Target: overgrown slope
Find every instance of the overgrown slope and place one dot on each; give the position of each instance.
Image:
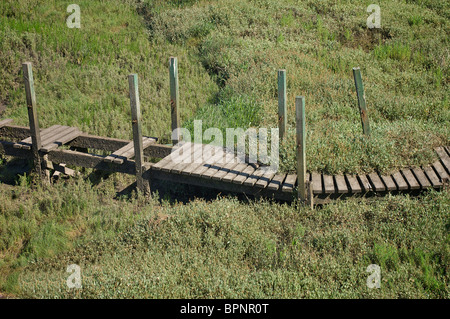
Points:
(229, 52)
(242, 44)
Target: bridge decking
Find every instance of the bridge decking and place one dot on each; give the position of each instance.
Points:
(233, 173)
(215, 167)
(199, 164)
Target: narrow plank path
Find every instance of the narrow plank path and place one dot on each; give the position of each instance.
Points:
(216, 167)
(228, 170)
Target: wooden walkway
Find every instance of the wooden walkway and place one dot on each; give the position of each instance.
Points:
(59, 146)
(212, 166)
(215, 167)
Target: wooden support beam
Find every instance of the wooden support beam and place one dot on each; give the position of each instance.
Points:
(282, 102)
(32, 117)
(89, 161)
(5, 122)
(361, 101)
(85, 141)
(14, 132)
(8, 149)
(137, 132)
(221, 186)
(301, 149)
(310, 194)
(174, 99)
(61, 168)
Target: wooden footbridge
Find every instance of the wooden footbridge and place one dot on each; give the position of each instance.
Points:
(58, 147)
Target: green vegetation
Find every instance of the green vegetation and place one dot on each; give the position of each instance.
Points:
(81, 74)
(229, 53)
(221, 249)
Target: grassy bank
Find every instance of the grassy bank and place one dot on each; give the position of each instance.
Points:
(229, 53)
(224, 248)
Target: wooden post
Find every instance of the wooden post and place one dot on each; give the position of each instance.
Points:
(309, 194)
(174, 99)
(32, 117)
(137, 132)
(301, 139)
(361, 101)
(282, 98)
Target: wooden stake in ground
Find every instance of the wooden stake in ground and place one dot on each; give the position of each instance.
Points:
(282, 98)
(32, 117)
(137, 132)
(301, 141)
(361, 101)
(174, 99)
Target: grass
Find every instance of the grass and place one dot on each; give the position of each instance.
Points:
(226, 248)
(401, 66)
(229, 53)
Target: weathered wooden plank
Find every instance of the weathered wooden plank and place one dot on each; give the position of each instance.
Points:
(400, 181)
(7, 148)
(420, 176)
(22, 145)
(389, 182)
(214, 168)
(447, 148)
(276, 182)
(88, 141)
(234, 172)
(48, 132)
(119, 152)
(180, 159)
(176, 151)
(225, 169)
(61, 140)
(221, 186)
(243, 175)
(199, 159)
(378, 185)
(58, 132)
(328, 184)
(354, 184)
(316, 179)
(289, 183)
(217, 156)
(432, 177)
(340, 184)
(5, 122)
(410, 179)
(365, 183)
(196, 149)
(445, 159)
(253, 178)
(264, 180)
(440, 170)
(90, 161)
(44, 133)
(146, 142)
(61, 168)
